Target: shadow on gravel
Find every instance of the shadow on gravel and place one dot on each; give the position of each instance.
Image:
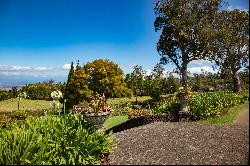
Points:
(143, 120)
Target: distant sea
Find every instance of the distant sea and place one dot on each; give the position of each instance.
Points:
(9, 81)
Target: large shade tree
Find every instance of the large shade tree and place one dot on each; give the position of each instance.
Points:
(231, 38)
(183, 24)
(106, 77)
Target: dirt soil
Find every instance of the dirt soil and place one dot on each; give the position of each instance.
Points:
(168, 143)
(243, 117)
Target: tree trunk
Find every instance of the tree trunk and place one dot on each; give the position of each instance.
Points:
(136, 97)
(136, 93)
(236, 79)
(184, 75)
(183, 101)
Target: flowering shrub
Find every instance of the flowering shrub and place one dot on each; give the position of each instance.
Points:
(56, 95)
(97, 106)
(22, 95)
(184, 92)
(138, 113)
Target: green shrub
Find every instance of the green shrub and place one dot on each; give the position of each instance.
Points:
(244, 98)
(155, 93)
(18, 115)
(121, 111)
(172, 105)
(136, 107)
(212, 104)
(138, 113)
(66, 139)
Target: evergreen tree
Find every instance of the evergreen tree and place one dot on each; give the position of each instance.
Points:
(71, 72)
(66, 91)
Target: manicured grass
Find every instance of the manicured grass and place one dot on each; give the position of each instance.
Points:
(115, 120)
(229, 117)
(119, 101)
(25, 104)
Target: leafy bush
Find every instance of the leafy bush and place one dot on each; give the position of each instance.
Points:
(18, 115)
(138, 113)
(171, 105)
(4, 94)
(136, 106)
(244, 98)
(8, 118)
(66, 139)
(212, 104)
(121, 109)
(42, 90)
(155, 92)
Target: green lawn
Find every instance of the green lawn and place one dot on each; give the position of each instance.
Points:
(119, 101)
(229, 117)
(25, 104)
(115, 120)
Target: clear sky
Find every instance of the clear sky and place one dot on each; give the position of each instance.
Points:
(40, 37)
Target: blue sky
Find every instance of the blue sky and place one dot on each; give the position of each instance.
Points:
(40, 37)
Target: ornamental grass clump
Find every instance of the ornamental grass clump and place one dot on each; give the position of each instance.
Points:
(66, 139)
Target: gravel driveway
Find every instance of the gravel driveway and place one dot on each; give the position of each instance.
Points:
(167, 143)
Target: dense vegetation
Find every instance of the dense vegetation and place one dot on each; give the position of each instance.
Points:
(66, 139)
(35, 91)
(190, 30)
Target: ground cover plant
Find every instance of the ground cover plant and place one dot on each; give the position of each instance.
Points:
(65, 139)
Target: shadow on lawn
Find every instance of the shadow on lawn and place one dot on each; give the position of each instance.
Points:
(143, 120)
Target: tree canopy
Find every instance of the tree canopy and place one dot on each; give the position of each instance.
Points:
(231, 38)
(183, 24)
(106, 77)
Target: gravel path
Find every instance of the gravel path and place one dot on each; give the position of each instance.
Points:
(243, 118)
(167, 143)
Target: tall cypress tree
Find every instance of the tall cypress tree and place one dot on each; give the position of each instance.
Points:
(78, 65)
(66, 92)
(71, 71)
